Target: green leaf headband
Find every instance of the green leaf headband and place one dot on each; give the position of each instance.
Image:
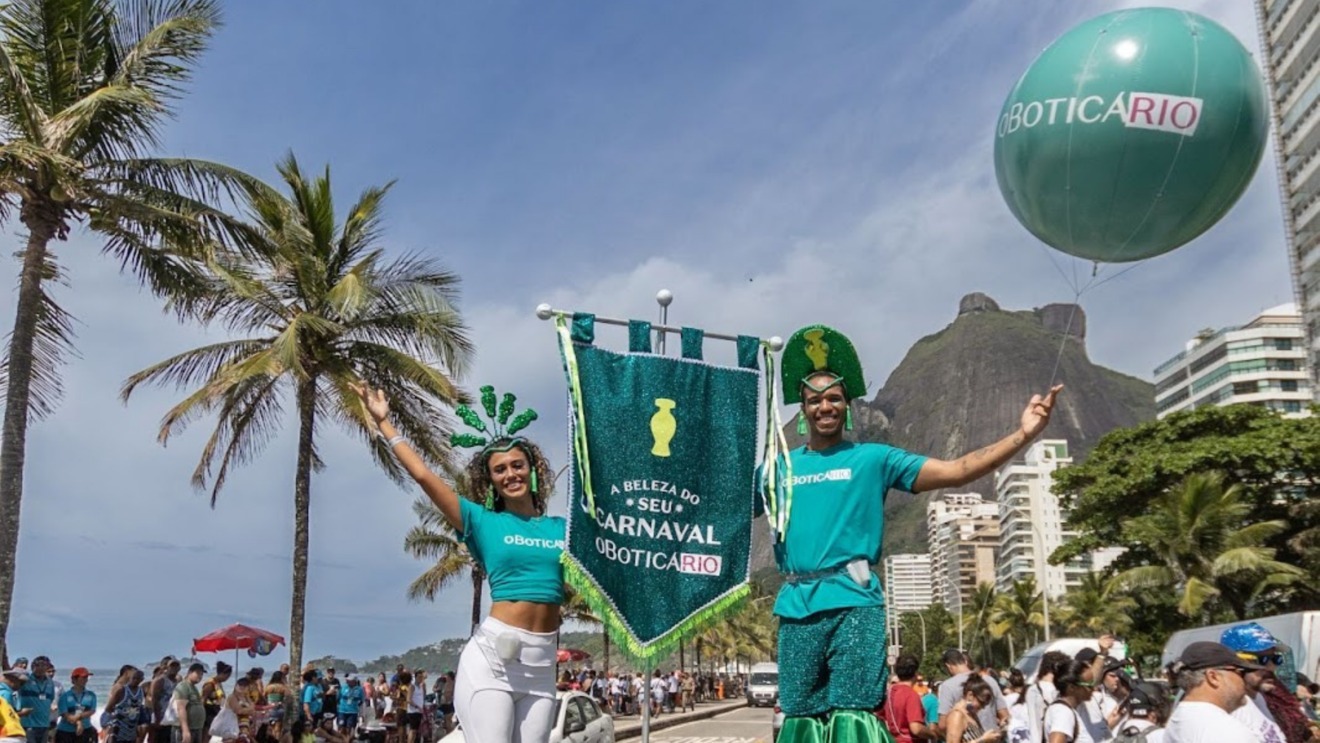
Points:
(498, 418)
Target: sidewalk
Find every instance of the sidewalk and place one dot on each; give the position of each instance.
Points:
(631, 727)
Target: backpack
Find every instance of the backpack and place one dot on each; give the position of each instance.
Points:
(1131, 734)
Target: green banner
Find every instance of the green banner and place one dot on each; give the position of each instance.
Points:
(663, 465)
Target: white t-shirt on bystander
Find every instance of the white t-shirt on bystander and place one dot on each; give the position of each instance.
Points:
(1202, 722)
(1256, 716)
(1060, 718)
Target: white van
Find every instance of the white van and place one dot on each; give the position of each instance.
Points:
(763, 685)
(1029, 663)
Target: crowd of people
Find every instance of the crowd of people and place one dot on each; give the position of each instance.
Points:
(1238, 690)
(192, 704)
(622, 694)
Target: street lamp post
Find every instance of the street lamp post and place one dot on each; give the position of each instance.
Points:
(664, 298)
(1042, 571)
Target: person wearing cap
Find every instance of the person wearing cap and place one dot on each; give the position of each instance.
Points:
(1214, 685)
(187, 701)
(11, 725)
(76, 707)
(350, 704)
(36, 698)
(13, 680)
(825, 507)
(1147, 709)
(1255, 644)
(1114, 687)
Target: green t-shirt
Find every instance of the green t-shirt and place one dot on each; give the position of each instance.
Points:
(837, 516)
(520, 554)
(188, 691)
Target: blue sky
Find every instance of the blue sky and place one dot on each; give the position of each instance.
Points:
(773, 164)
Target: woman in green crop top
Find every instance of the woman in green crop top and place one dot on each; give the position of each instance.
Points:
(504, 688)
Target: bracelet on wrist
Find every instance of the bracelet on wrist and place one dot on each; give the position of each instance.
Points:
(392, 441)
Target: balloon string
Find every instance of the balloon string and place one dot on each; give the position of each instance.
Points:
(1095, 283)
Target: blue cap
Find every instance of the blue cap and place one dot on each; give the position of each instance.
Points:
(1248, 638)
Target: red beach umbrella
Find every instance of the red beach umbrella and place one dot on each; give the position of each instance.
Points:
(238, 637)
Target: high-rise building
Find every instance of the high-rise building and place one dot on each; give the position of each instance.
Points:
(1290, 40)
(1031, 522)
(1261, 363)
(963, 532)
(907, 583)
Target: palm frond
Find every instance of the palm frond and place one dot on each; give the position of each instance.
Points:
(159, 41)
(197, 366)
(249, 420)
(1194, 595)
(1252, 535)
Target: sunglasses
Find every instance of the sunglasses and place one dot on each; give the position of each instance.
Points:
(1239, 671)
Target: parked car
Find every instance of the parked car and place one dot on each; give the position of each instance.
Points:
(578, 719)
(763, 685)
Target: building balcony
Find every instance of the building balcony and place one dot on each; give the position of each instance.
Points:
(1292, 19)
(1301, 53)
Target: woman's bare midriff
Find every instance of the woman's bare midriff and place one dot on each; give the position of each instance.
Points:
(527, 615)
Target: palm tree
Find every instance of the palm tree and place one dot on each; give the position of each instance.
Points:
(1203, 549)
(326, 310)
(977, 617)
(434, 539)
(1017, 612)
(1096, 605)
(85, 87)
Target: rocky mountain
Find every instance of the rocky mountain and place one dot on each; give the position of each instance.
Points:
(966, 386)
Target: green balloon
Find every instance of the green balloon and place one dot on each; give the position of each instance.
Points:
(1131, 134)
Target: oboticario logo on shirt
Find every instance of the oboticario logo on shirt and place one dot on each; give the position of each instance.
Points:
(832, 475)
(519, 540)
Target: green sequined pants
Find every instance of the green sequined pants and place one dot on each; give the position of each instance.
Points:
(833, 660)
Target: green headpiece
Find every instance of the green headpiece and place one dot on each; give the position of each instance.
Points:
(815, 349)
(498, 419)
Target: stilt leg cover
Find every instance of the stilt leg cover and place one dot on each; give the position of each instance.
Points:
(856, 726)
(802, 730)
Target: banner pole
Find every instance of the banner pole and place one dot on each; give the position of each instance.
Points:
(546, 312)
(646, 708)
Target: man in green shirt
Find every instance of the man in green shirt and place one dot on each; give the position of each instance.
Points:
(187, 701)
(825, 503)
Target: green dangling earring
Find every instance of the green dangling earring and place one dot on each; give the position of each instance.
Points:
(847, 420)
(802, 424)
(535, 489)
(490, 498)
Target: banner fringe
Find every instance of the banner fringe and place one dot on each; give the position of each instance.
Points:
(662, 646)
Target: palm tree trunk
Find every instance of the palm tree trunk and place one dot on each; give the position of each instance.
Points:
(18, 395)
(606, 632)
(302, 499)
(478, 577)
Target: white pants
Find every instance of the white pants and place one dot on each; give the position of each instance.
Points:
(504, 691)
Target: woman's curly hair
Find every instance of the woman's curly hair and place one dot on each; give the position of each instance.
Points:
(478, 473)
